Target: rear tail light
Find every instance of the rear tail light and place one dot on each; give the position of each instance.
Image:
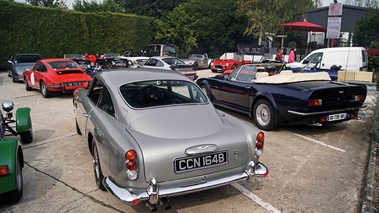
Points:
(4, 170)
(351, 115)
(314, 102)
(360, 98)
(259, 144)
(131, 165)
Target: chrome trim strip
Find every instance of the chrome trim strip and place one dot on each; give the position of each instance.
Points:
(324, 112)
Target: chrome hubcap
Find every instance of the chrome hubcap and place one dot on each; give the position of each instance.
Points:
(263, 115)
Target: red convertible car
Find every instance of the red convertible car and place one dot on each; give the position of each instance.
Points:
(56, 75)
(228, 63)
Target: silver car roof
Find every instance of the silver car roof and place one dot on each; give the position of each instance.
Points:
(117, 77)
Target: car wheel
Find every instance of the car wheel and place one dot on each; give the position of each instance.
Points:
(195, 66)
(77, 128)
(46, 93)
(205, 90)
(15, 195)
(27, 87)
(13, 79)
(96, 167)
(263, 115)
(9, 74)
(214, 70)
(27, 137)
(234, 67)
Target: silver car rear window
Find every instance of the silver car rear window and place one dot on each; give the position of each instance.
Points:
(161, 93)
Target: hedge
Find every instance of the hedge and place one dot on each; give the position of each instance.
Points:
(55, 32)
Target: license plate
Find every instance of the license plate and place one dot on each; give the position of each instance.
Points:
(200, 161)
(337, 117)
(74, 84)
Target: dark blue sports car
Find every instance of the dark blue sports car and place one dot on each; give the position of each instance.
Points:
(284, 98)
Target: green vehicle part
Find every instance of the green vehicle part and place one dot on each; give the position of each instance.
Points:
(10, 153)
(23, 121)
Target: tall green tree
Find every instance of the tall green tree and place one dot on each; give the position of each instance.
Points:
(48, 3)
(265, 16)
(367, 29)
(364, 3)
(199, 25)
(93, 6)
(153, 8)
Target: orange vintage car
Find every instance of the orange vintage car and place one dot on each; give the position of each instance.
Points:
(56, 75)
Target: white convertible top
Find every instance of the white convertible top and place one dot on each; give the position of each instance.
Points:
(286, 76)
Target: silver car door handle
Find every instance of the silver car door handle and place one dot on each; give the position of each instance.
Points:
(86, 115)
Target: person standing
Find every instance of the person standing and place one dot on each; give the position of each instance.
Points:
(279, 55)
(292, 55)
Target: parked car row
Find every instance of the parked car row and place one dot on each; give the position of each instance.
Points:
(156, 104)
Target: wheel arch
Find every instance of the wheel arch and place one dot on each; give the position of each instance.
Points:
(205, 83)
(23, 119)
(268, 97)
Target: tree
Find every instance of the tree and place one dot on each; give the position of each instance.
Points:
(199, 25)
(367, 29)
(364, 3)
(153, 8)
(48, 3)
(93, 6)
(265, 16)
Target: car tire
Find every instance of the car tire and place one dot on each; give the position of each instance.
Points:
(46, 93)
(27, 87)
(195, 66)
(77, 128)
(9, 75)
(13, 79)
(263, 115)
(213, 70)
(97, 167)
(234, 67)
(206, 91)
(27, 137)
(15, 195)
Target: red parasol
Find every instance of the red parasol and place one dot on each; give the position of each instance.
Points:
(303, 26)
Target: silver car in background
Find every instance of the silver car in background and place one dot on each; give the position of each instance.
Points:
(171, 63)
(18, 63)
(198, 61)
(154, 134)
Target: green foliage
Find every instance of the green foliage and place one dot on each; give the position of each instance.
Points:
(199, 26)
(152, 8)
(265, 16)
(93, 6)
(367, 29)
(48, 3)
(292, 44)
(54, 32)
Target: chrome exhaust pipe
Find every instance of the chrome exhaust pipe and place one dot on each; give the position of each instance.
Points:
(165, 203)
(152, 207)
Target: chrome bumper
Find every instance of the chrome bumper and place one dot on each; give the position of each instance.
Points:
(153, 192)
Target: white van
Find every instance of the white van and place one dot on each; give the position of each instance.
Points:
(349, 58)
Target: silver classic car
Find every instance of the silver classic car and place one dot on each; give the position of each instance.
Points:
(154, 134)
(198, 61)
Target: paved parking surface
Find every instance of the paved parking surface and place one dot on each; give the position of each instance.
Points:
(312, 168)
